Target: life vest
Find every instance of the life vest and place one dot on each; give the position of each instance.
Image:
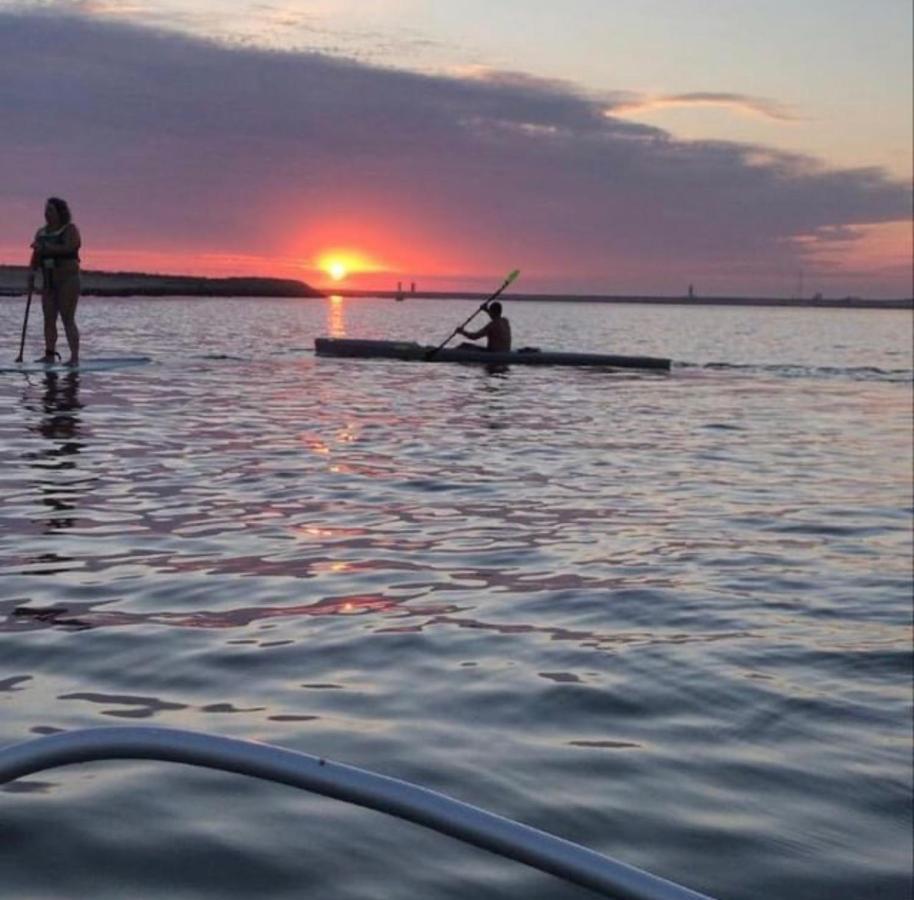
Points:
(48, 238)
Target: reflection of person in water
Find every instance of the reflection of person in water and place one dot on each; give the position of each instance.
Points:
(61, 406)
(60, 424)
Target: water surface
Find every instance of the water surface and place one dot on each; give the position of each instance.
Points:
(666, 616)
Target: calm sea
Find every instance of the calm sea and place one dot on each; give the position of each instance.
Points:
(666, 616)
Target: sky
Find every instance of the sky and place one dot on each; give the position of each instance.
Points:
(601, 146)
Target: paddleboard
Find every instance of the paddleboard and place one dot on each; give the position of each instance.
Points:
(92, 364)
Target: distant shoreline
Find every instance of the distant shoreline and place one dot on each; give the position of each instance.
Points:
(137, 284)
(811, 302)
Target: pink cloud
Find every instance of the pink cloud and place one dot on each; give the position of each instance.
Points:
(740, 103)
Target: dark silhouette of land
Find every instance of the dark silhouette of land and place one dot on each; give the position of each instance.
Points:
(138, 284)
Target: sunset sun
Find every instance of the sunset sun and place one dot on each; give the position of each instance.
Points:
(337, 269)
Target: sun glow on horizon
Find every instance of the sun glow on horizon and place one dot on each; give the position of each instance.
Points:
(339, 264)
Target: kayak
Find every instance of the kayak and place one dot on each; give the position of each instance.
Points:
(410, 350)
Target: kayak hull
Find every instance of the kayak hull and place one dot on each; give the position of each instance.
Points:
(409, 350)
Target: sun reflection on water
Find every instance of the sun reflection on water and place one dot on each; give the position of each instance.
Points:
(336, 316)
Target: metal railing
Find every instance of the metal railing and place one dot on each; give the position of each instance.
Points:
(467, 823)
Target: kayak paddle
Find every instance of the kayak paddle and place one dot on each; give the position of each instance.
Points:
(485, 303)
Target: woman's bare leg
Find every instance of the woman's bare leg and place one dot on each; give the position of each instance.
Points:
(67, 298)
(49, 309)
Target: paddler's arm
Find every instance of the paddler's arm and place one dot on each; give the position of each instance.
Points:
(475, 335)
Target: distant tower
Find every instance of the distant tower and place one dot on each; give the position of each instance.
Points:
(412, 287)
(691, 292)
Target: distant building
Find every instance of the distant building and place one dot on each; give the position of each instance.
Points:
(691, 292)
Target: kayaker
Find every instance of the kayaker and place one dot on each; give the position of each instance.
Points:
(497, 332)
(55, 251)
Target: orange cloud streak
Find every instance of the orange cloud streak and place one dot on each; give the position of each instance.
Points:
(864, 248)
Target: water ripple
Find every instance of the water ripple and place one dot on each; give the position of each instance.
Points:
(667, 617)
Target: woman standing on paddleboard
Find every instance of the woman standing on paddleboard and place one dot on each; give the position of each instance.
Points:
(55, 251)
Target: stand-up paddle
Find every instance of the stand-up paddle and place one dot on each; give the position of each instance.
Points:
(484, 304)
(25, 321)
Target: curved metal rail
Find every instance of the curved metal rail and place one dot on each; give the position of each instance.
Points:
(388, 795)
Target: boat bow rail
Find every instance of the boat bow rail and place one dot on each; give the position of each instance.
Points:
(407, 801)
